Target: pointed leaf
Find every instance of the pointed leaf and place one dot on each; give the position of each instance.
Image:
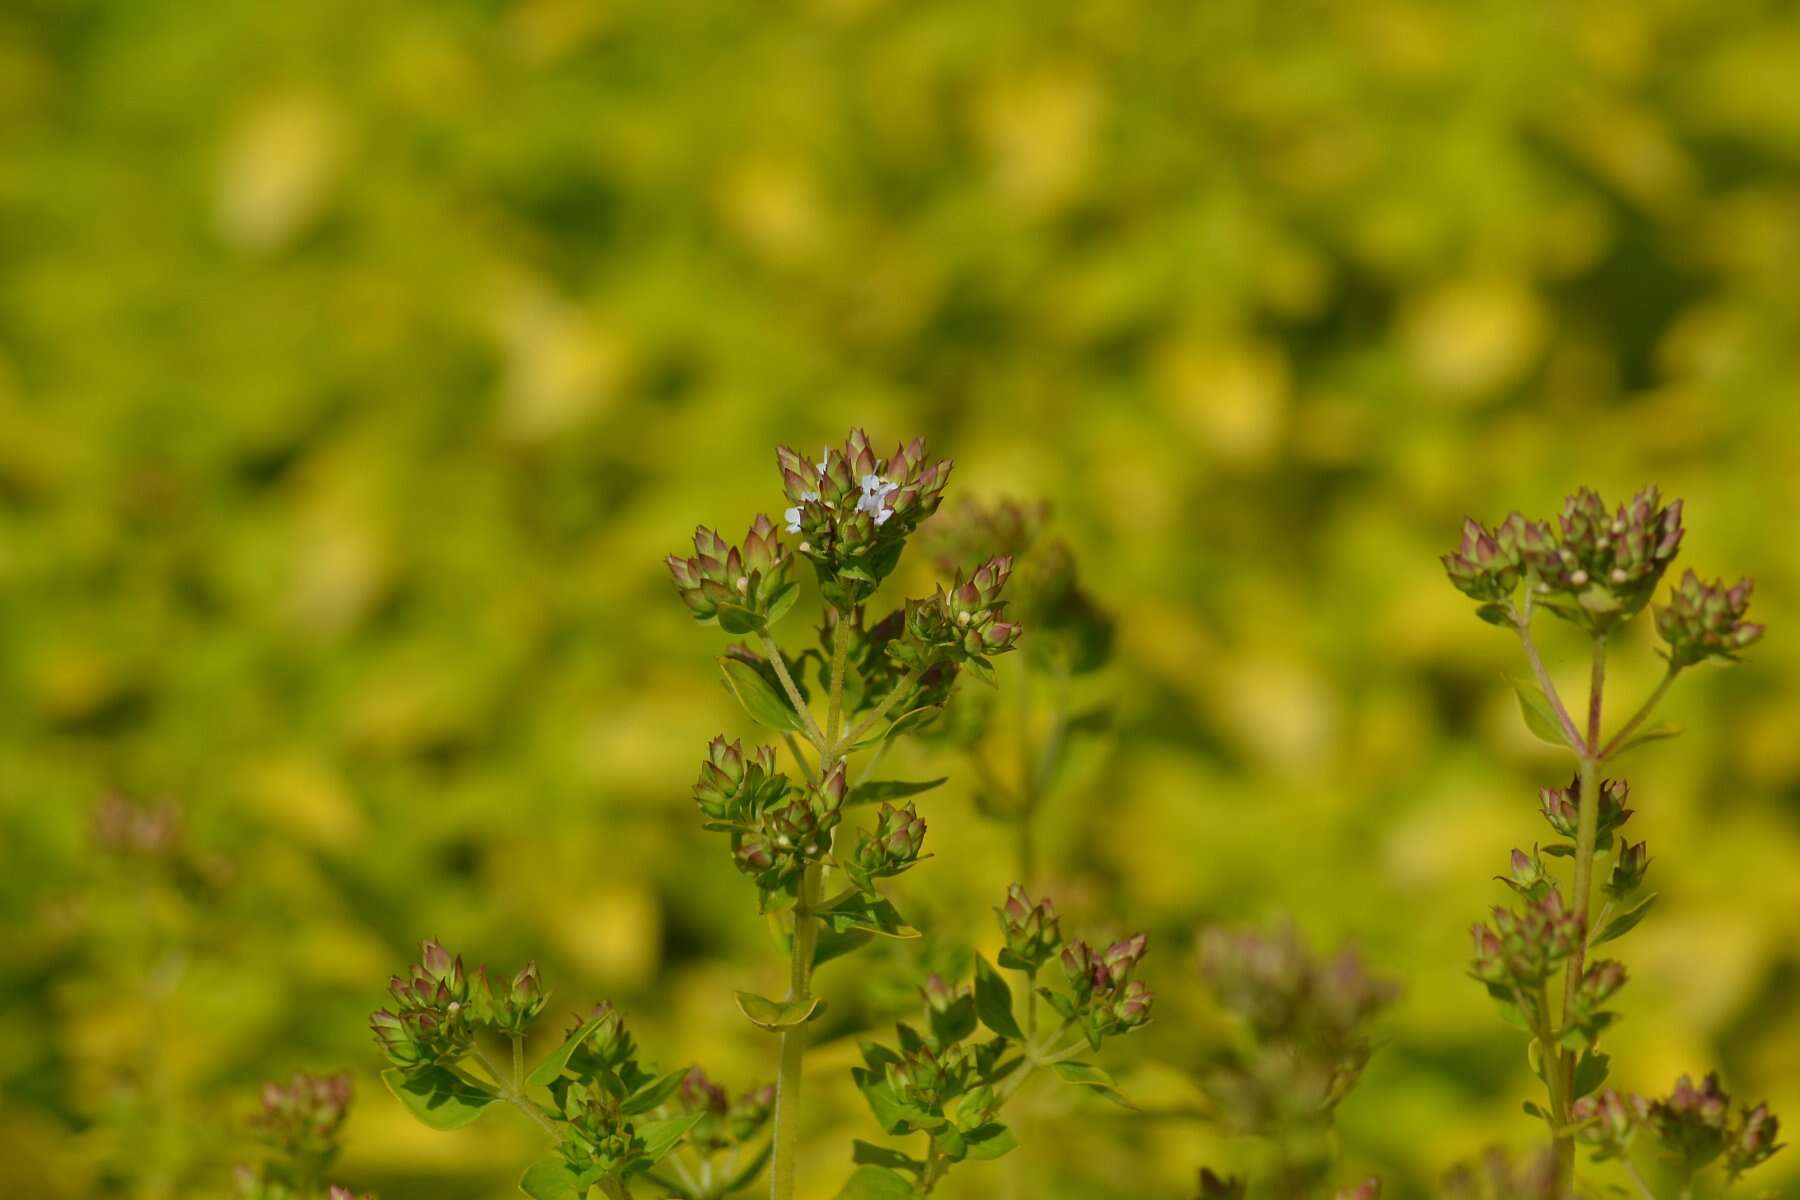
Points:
(862, 1152)
(1089, 1076)
(553, 1179)
(546, 1072)
(833, 944)
(989, 1141)
(890, 789)
(761, 699)
(1625, 922)
(870, 1182)
(782, 600)
(662, 1136)
(776, 1015)
(1540, 718)
(994, 1002)
(437, 1097)
(654, 1093)
(734, 618)
(1590, 1072)
(869, 913)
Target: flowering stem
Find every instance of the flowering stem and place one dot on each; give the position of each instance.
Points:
(1643, 713)
(840, 648)
(1554, 1076)
(518, 1045)
(793, 746)
(881, 710)
(793, 693)
(793, 1040)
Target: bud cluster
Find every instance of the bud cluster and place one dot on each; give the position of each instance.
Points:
(740, 588)
(735, 788)
(1032, 932)
(1693, 1125)
(1519, 950)
(1706, 620)
(853, 511)
(1598, 568)
(1103, 998)
(725, 1124)
(961, 624)
(1562, 809)
(774, 844)
(891, 848)
(299, 1122)
(439, 1007)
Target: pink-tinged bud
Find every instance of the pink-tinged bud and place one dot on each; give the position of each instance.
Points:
(1133, 1008)
(435, 959)
(527, 988)
(1122, 957)
(939, 995)
(835, 785)
(700, 1094)
(1368, 1189)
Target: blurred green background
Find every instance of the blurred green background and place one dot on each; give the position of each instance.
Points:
(359, 362)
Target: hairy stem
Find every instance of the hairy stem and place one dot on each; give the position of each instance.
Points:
(799, 757)
(793, 693)
(793, 1041)
(840, 649)
(1643, 713)
(515, 1096)
(1555, 1085)
(881, 710)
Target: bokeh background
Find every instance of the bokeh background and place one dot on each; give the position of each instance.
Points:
(359, 362)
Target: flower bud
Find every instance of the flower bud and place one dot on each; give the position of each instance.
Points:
(1628, 870)
(1368, 1189)
(1605, 565)
(1705, 620)
(1753, 1141)
(1032, 931)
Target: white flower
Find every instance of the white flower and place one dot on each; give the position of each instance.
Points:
(824, 459)
(792, 515)
(875, 491)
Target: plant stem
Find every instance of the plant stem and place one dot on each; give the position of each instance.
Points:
(793, 1041)
(793, 693)
(840, 649)
(805, 767)
(1638, 1180)
(869, 722)
(1554, 1084)
(1596, 688)
(515, 1096)
(1522, 623)
(616, 1188)
(518, 1045)
(1643, 713)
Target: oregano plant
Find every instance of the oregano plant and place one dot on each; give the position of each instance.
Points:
(835, 700)
(1597, 569)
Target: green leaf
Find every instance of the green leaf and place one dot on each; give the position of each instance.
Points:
(981, 669)
(1089, 1076)
(867, 1153)
(1625, 922)
(989, 1141)
(662, 1136)
(890, 789)
(656, 1092)
(776, 1015)
(870, 1182)
(736, 619)
(761, 699)
(546, 1072)
(1660, 731)
(871, 914)
(1590, 1072)
(835, 944)
(1532, 1110)
(1558, 850)
(782, 600)
(994, 1002)
(553, 1179)
(438, 1097)
(1495, 614)
(1540, 718)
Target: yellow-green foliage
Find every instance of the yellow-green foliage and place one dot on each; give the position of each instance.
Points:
(359, 362)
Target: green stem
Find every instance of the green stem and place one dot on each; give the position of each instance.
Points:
(515, 1096)
(793, 1041)
(1555, 1086)
(793, 693)
(1637, 1180)
(840, 649)
(518, 1045)
(799, 757)
(616, 1188)
(1643, 713)
(869, 722)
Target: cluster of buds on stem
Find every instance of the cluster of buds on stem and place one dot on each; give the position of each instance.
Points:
(742, 589)
(1033, 934)
(735, 788)
(725, 1124)
(1562, 809)
(892, 847)
(1308, 1021)
(299, 1123)
(962, 624)
(1519, 950)
(853, 511)
(1706, 620)
(1103, 997)
(1694, 1127)
(439, 1007)
(778, 841)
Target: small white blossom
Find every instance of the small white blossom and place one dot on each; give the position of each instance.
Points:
(824, 459)
(792, 515)
(875, 491)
